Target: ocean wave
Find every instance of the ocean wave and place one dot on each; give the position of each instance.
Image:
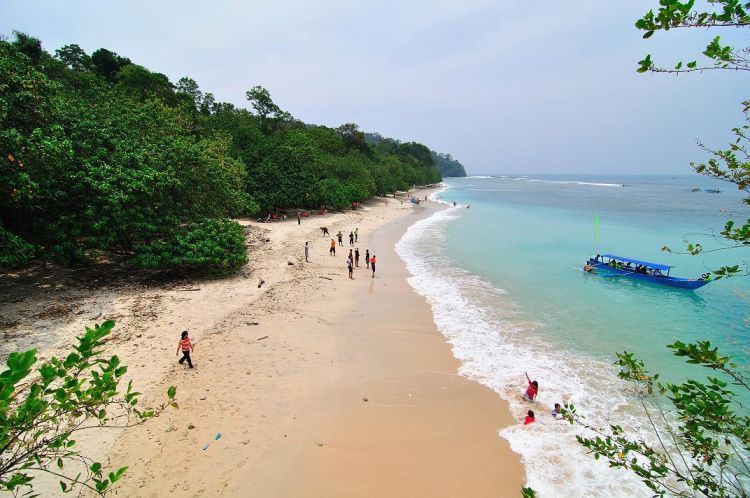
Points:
(495, 347)
(480, 176)
(574, 182)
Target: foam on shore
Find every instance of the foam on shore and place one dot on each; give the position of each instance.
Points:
(496, 347)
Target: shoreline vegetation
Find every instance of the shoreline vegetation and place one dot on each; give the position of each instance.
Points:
(105, 159)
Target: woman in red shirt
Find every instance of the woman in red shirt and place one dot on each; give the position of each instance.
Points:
(529, 418)
(532, 390)
(186, 346)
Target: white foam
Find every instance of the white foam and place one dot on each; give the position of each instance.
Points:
(495, 348)
(480, 176)
(572, 182)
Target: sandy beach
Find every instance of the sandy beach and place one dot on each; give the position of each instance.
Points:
(317, 384)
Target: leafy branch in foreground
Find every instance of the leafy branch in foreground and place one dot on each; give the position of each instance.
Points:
(730, 165)
(42, 412)
(699, 443)
(673, 14)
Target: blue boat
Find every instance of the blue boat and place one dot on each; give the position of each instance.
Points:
(610, 265)
(414, 200)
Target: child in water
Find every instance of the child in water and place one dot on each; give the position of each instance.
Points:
(529, 418)
(557, 412)
(532, 390)
(186, 347)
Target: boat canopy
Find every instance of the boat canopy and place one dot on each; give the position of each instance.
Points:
(655, 266)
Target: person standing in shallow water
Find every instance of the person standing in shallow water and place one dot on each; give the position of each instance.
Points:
(367, 258)
(356, 257)
(186, 346)
(532, 390)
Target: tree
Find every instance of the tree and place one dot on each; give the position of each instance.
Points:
(188, 86)
(74, 57)
(42, 413)
(731, 164)
(673, 14)
(353, 138)
(699, 442)
(267, 111)
(700, 430)
(29, 46)
(107, 63)
(141, 83)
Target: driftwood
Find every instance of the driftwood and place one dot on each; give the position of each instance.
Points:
(260, 284)
(261, 338)
(326, 278)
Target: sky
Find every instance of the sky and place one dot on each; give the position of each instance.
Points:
(504, 86)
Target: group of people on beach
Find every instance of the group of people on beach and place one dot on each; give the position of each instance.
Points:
(532, 390)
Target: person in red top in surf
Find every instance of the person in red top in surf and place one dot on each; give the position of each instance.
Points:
(529, 418)
(532, 390)
(186, 346)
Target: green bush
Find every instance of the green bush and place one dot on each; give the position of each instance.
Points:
(212, 245)
(14, 251)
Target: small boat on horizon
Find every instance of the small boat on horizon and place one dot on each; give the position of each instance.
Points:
(713, 190)
(611, 265)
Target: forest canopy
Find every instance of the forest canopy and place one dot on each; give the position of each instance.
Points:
(104, 156)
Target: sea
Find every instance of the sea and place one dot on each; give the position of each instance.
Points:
(502, 271)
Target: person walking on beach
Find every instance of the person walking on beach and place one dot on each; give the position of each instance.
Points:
(299, 220)
(341, 238)
(532, 390)
(367, 258)
(356, 234)
(356, 257)
(372, 265)
(186, 346)
(351, 256)
(332, 250)
(307, 251)
(351, 238)
(350, 265)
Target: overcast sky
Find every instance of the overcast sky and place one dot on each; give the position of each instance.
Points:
(504, 86)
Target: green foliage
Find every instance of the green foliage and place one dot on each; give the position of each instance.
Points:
(216, 246)
(673, 14)
(108, 64)
(699, 443)
(105, 156)
(42, 413)
(14, 251)
(447, 165)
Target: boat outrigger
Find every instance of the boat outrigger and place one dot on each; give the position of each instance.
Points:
(618, 266)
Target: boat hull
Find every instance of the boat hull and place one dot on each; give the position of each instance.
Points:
(680, 283)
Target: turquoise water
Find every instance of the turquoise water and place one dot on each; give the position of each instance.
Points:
(505, 285)
(531, 239)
